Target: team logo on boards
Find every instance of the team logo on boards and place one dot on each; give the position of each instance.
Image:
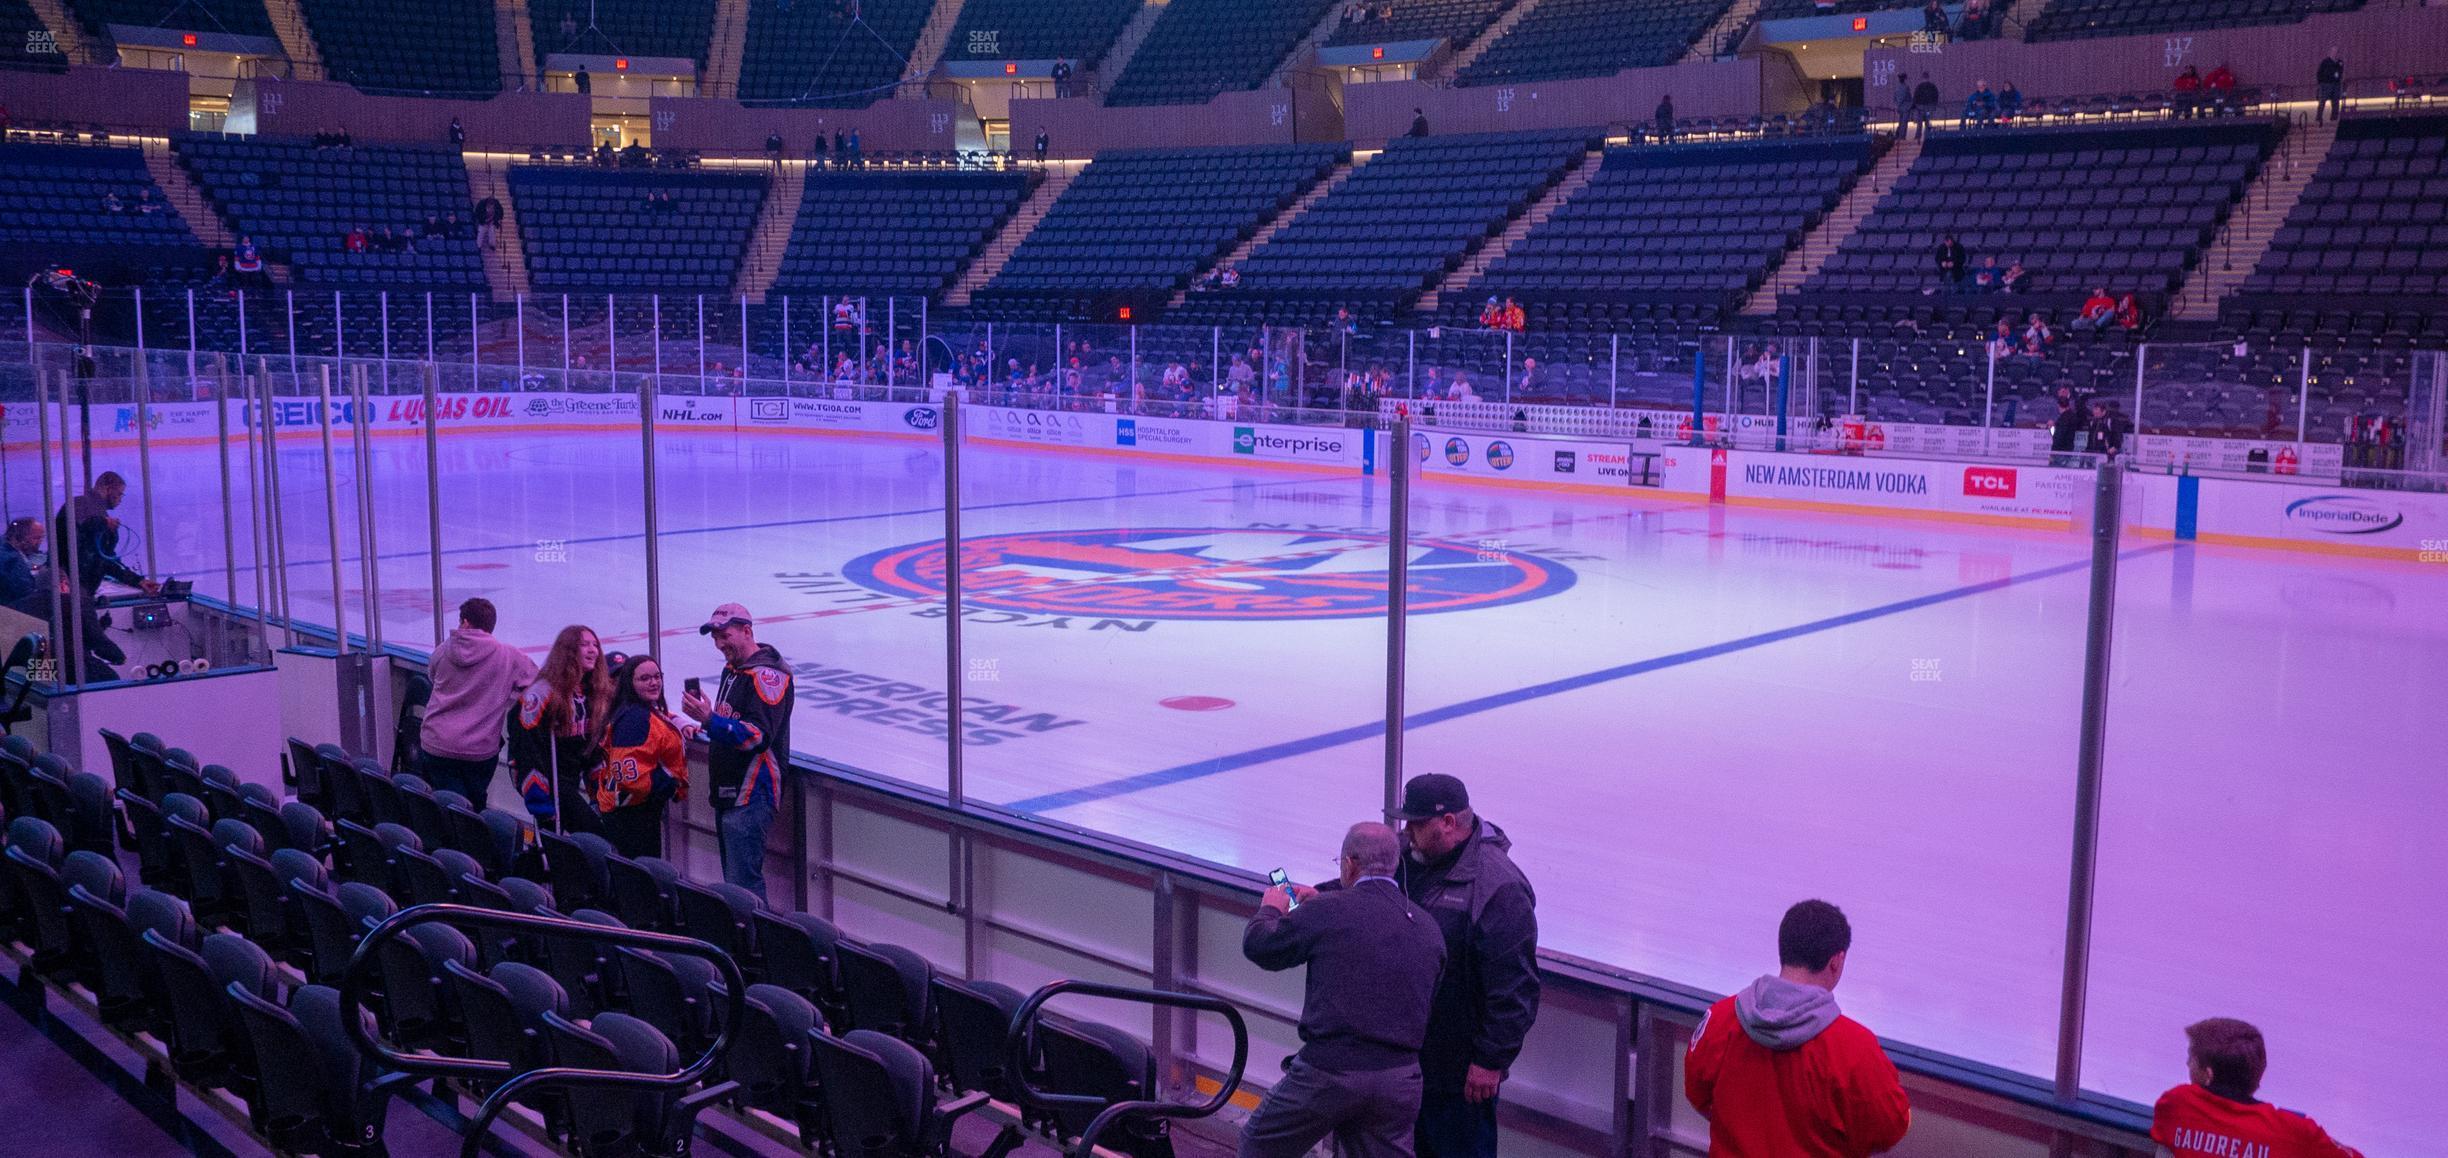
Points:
(1500, 455)
(1457, 452)
(2342, 515)
(1210, 573)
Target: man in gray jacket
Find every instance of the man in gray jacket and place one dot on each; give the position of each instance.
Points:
(475, 679)
(1373, 959)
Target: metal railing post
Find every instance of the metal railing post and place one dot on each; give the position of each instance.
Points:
(144, 434)
(433, 497)
(1398, 606)
(654, 545)
(368, 543)
(2107, 510)
(955, 666)
(331, 511)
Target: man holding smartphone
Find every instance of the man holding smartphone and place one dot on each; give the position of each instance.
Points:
(747, 731)
(1373, 961)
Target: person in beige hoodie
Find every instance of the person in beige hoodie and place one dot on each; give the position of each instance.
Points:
(475, 680)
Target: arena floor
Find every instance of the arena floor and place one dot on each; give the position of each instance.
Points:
(1686, 717)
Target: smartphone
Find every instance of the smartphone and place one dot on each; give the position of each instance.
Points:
(693, 686)
(1283, 880)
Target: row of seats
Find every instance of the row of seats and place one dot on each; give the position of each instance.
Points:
(55, 204)
(893, 234)
(669, 28)
(829, 53)
(228, 17)
(2078, 19)
(1456, 22)
(2372, 223)
(228, 941)
(593, 230)
(434, 47)
(1405, 219)
(1199, 48)
(1566, 38)
(298, 202)
(1708, 219)
(1143, 222)
(1080, 31)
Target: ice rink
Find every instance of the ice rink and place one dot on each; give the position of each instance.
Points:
(1686, 717)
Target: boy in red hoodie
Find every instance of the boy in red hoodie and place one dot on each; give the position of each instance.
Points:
(2215, 1114)
(1779, 1072)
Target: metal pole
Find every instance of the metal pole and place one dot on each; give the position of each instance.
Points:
(475, 346)
(1508, 382)
(744, 343)
(433, 497)
(1134, 368)
(924, 379)
(518, 310)
(144, 434)
(259, 396)
(1853, 382)
(1614, 367)
(612, 338)
(657, 305)
(1398, 605)
(1411, 363)
(429, 328)
(788, 358)
(191, 346)
(229, 530)
(1732, 373)
(824, 330)
(1784, 397)
(565, 342)
(367, 543)
(955, 666)
(386, 340)
(61, 632)
(1215, 356)
(2141, 359)
(2303, 401)
(701, 378)
(2107, 510)
(654, 546)
(892, 335)
(331, 512)
(242, 333)
(1989, 400)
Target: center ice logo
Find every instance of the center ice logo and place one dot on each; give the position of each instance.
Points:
(1195, 573)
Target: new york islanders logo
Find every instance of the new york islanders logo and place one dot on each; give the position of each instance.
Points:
(1210, 573)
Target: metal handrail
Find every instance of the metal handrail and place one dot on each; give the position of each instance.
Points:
(352, 989)
(1023, 1031)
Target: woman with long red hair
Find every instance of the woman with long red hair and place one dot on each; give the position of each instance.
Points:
(555, 749)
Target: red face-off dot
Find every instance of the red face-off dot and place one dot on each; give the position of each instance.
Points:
(1197, 703)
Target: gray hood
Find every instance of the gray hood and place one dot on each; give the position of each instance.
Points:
(1782, 1015)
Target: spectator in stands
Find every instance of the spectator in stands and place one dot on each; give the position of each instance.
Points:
(841, 149)
(2015, 280)
(1925, 102)
(455, 229)
(1460, 390)
(553, 754)
(476, 679)
(584, 81)
(747, 730)
(1985, 275)
(1974, 19)
(22, 568)
(2330, 78)
(2185, 92)
(1374, 959)
(354, 241)
(458, 135)
(433, 227)
(2037, 337)
(633, 156)
(2098, 311)
(1040, 146)
(7, 121)
(2066, 430)
(816, 152)
(2218, 89)
(645, 760)
(146, 203)
(488, 222)
(1419, 122)
(858, 155)
(773, 148)
(569, 28)
(1461, 871)
(1779, 1069)
(2001, 339)
(2215, 1113)
(1533, 380)
(2129, 312)
(1232, 277)
(2105, 434)
(1515, 319)
(2009, 103)
(111, 203)
(1903, 104)
(1665, 117)
(248, 263)
(1934, 19)
(1062, 79)
(1980, 108)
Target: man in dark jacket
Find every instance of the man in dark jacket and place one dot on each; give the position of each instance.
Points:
(2066, 430)
(747, 731)
(1373, 959)
(2330, 76)
(1458, 871)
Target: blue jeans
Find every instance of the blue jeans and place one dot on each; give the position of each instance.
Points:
(1452, 1128)
(741, 831)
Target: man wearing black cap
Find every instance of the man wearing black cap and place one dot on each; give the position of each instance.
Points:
(747, 731)
(1458, 870)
